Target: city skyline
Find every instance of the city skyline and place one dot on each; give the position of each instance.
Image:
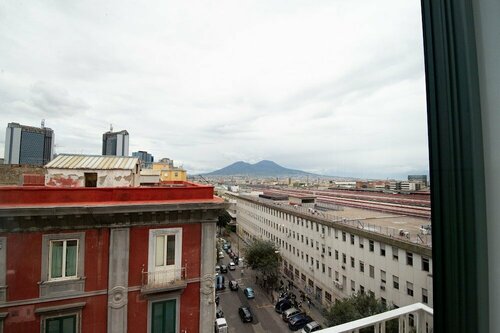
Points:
(305, 85)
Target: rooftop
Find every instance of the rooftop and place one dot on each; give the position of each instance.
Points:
(93, 162)
(169, 192)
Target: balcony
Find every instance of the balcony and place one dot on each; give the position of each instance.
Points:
(163, 281)
(416, 318)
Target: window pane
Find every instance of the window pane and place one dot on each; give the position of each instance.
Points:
(69, 325)
(171, 250)
(52, 326)
(160, 248)
(71, 257)
(157, 318)
(56, 259)
(170, 316)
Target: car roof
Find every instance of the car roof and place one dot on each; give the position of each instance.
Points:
(249, 289)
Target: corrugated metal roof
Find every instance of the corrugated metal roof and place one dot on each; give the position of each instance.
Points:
(94, 162)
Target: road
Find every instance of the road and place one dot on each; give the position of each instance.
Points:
(265, 319)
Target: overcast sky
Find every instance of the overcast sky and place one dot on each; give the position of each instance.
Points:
(331, 87)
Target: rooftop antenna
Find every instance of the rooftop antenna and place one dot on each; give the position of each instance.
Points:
(111, 127)
(43, 123)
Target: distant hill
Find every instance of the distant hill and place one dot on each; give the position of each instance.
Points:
(262, 168)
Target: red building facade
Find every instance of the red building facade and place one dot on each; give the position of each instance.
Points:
(107, 259)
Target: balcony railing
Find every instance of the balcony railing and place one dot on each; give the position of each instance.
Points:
(411, 318)
(158, 281)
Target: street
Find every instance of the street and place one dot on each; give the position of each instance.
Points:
(265, 319)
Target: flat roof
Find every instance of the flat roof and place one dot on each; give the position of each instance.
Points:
(41, 196)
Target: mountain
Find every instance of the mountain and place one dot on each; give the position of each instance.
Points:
(262, 168)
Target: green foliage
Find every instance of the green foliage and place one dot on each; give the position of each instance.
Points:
(264, 257)
(357, 306)
(224, 219)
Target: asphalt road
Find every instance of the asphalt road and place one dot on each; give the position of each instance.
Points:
(265, 319)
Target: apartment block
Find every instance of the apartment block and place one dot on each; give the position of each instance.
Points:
(108, 259)
(334, 259)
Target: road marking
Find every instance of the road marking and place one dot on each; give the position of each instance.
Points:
(269, 305)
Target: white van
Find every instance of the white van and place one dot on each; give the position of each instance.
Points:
(220, 325)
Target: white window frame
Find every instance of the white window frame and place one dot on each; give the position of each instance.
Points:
(153, 233)
(63, 268)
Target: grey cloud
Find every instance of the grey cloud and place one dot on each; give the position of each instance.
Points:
(55, 101)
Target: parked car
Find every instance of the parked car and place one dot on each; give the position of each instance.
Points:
(219, 282)
(223, 268)
(311, 327)
(232, 266)
(217, 269)
(298, 321)
(283, 305)
(286, 315)
(219, 313)
(245, 314)
(221, 255)
(249, 293)
(233, 285)
(217, 300)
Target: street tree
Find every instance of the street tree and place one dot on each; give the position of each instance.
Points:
(223, 220)
(357, 306)
(264, 256)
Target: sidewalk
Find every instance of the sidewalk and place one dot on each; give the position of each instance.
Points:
(249, 276)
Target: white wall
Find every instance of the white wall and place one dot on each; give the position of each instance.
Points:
(487, 20)
(76, 178)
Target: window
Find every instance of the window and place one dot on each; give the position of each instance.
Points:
(336, 276)
(382, 276)
(371, 245)
(425, 297)
(352, 262)
(361, 289)
(409, 258)
(372, 271)
(409, 288)
(62, 266)
(63, 259)
(164, 316)
(395, 282)
(425, 264)
(395, 255)
(343, 236)
(323, 267)
(352, 239)
(63, 324)
(317, 245)
(165, 249)
(328, 296)
(329, 272)
(382, 250)
(317, 264)
(329, 251)
(361, 266)
(90, 179)
(344, 258)
(361, 242)
(353, 286)
(336, 233)
(336, 255)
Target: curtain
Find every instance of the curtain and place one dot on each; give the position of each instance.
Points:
(56, 259)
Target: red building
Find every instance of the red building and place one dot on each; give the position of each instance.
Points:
(108, 259)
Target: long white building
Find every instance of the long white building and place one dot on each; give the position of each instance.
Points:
(333, 259)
